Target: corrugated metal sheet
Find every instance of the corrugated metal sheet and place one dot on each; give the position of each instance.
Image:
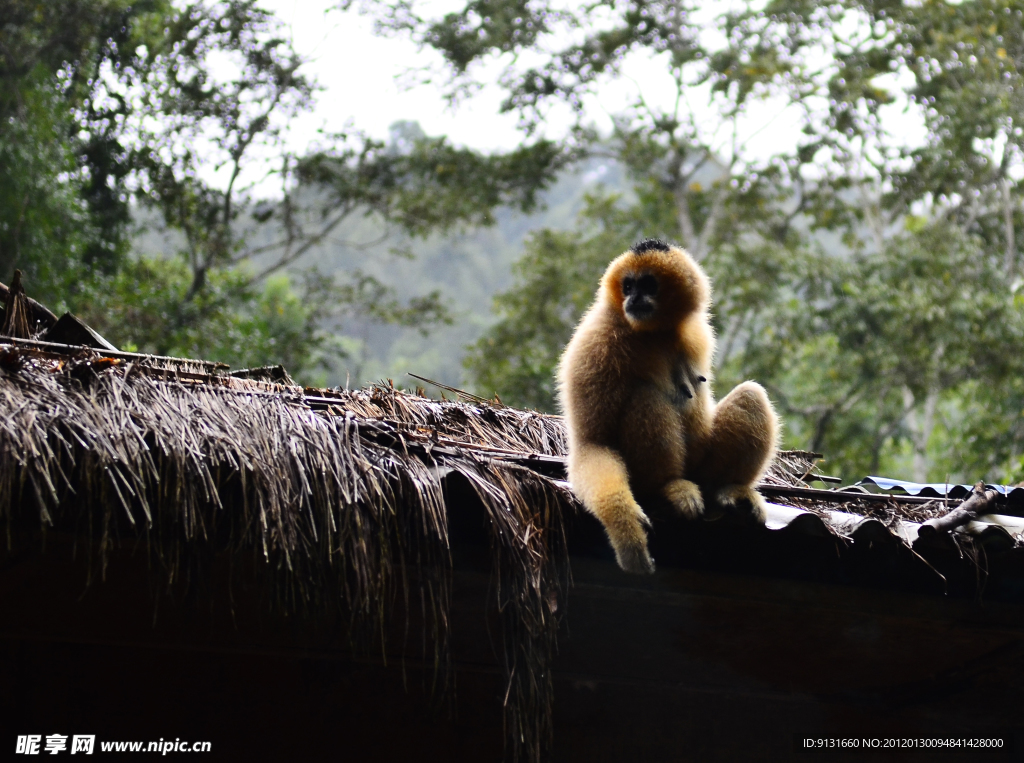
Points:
(938, 489)
(994, 531)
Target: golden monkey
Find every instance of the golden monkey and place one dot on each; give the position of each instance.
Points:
(635, 388)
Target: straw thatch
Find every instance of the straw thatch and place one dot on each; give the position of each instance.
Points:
(340, 501)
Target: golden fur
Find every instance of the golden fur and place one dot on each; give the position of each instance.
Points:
(635, 388)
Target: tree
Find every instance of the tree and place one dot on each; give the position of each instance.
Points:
(959, 187)
(141, 114)
(868, 280)
(62, 171)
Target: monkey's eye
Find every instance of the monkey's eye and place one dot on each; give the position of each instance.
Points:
(647, 284)
(627, 286)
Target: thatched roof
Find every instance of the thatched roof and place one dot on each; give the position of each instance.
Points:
(340, 493)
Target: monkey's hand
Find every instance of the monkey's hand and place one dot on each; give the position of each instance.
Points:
(739, 496)
(628, 535)
(685, 497)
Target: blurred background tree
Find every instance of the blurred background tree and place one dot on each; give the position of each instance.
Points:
(870, 283)
(111, 109)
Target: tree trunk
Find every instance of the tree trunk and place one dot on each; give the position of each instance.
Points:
(685, 221)
(1010, 263)
(920, 422)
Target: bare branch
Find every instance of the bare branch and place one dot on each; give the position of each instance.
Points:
(290, 257)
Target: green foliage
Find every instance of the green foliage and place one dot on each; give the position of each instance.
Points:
(44, 222)
(176, 108)
(245, 325)
(62, 194)
(886, 337)
(425, 184)
(895, 351)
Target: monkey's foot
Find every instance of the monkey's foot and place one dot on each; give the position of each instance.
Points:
(629, 539)
(635, 559)
(686, 498)
(739, 497)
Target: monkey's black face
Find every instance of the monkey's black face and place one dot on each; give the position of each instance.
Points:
(639, 293)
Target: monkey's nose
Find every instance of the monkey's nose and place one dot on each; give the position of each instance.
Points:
(640, 307)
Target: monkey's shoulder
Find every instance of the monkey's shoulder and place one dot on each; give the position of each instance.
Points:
(600, 346)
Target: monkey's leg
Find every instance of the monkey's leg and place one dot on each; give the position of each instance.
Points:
(652, 440)
(744, 438)
(599, 478)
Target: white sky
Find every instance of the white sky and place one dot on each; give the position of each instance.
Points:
(361, 72)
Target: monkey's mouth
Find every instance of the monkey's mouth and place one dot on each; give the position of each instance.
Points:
(640, 308)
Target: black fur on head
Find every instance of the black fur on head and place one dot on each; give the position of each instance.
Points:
(650, 245)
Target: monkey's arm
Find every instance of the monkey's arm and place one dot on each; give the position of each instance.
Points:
(599, 478)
